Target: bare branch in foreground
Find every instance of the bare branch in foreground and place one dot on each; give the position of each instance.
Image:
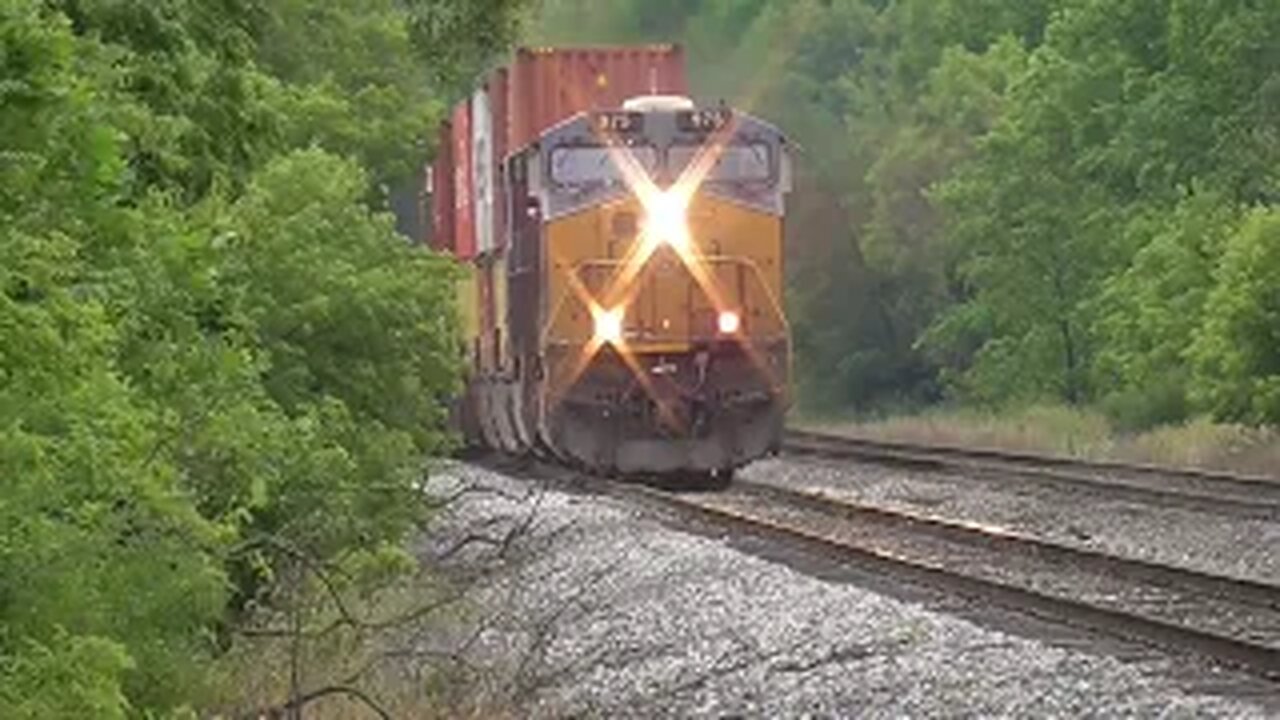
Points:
(294, 706)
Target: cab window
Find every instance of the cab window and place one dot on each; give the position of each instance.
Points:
(737, 162)
(582, 165)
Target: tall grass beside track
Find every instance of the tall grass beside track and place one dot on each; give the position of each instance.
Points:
(1074, 432)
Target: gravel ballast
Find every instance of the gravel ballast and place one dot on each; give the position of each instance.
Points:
(604, 608)
(1208, 542)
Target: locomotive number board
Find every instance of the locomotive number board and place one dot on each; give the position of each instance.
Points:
(704, 120)
(619, 122)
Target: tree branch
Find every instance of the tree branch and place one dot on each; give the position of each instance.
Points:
(275, 712)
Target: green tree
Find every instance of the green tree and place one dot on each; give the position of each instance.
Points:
(1030, 249)
(216, 358)
(1118, 116)
(1149, 313)
(88, 510)
(1237, 348)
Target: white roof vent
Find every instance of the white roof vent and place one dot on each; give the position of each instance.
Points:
(657, 103)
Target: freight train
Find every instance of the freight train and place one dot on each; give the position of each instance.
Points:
(622, 300)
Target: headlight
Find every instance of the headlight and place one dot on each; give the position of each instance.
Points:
(608, 326)
(729, 322)
(665, 219)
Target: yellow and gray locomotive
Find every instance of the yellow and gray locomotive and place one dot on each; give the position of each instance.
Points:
(624, 292)
(635, 313)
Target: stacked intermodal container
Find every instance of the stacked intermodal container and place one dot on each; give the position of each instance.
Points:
(548, 85)
(499, 104)
(482, 169)
(510, 109)
(514, 104)
(439, 186)
(464, 230)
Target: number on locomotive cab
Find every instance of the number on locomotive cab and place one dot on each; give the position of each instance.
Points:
(619, 122)
(704, 120)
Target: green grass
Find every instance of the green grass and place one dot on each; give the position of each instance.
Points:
(1081, 433)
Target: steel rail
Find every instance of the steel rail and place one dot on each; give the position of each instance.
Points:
(1201, 490)
(918, 566)
(1254, 592)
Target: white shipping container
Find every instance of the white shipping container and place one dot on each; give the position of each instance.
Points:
(482, 169)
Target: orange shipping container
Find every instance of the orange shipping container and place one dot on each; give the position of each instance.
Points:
(549, 85)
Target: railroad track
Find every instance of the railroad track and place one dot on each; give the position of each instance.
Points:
(1201, 490)
(1229, 620)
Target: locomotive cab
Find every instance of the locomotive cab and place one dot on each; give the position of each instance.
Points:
(646, 332)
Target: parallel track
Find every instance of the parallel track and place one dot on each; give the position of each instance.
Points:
(1201, 490)
(1229, 620)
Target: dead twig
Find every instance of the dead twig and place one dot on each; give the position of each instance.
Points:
(294, 706)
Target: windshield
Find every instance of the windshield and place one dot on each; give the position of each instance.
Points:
(736, 162)
(593, 164)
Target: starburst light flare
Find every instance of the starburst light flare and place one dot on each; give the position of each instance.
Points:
(666, 215)
(608, 325)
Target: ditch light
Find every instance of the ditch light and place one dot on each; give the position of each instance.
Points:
(729, 322)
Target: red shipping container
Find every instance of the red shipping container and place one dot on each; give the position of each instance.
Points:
(464, 229)
(498, 102)
(442, 191)
(549, 85)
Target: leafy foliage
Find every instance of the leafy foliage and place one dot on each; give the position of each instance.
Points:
(217, 359)
(1237, 347)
